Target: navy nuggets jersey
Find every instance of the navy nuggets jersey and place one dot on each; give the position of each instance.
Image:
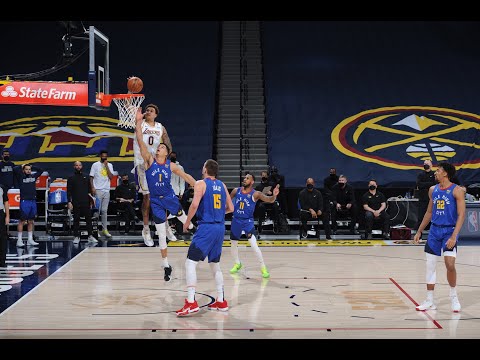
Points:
(243, 204)
(444, 211)
(212, 206)
(158, 179)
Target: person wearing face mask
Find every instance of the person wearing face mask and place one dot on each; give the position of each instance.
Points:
(79, 195)
(266, 187)
(311, 207)
(100, 174)
(374, 204)
(7, 178)
(125, 197)
(344, 203)
(425, 180)
(328, 199)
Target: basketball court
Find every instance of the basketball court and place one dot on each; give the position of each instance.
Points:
(317, 290)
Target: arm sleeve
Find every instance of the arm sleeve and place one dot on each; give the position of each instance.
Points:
(39, 172)
(5, 194)
(320, 201)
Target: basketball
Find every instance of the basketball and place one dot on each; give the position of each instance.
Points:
(134, 84)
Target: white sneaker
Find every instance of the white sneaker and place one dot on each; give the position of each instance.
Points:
(32, 242)
(76, 240)
(426, 305)
(92, 239)
(147, 238)
(170, 235)
(456, 304)
(20, 243)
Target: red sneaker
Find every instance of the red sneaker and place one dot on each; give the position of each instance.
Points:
(220, 306)
(188, 308)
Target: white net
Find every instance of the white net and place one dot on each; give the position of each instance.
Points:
(127, 109)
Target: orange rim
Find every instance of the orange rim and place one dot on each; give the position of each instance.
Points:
(106, 99)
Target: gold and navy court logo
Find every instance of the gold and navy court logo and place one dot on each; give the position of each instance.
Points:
(59, 139)
(401, 137)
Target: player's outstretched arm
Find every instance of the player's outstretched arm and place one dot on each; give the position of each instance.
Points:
(166, 139)
(198, 192)
(179, 171)
(268, 199)
(147, 157)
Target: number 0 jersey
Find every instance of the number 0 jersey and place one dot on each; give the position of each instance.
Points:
(152, 137)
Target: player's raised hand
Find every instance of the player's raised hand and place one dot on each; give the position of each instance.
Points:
(139, 115)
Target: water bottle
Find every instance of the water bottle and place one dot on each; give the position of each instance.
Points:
(407, 195)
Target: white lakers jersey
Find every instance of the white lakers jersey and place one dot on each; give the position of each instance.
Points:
(152, 137)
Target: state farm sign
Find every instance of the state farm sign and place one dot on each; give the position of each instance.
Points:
(44, 93)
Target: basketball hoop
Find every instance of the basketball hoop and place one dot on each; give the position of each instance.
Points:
(127, 105)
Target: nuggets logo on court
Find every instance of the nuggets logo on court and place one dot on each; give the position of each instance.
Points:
(401, 137)
(59, 139)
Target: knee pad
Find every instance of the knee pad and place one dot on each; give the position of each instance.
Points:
(431, 273)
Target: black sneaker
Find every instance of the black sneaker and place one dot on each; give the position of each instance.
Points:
(168, 272)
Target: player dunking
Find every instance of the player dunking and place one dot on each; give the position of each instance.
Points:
(210, 203)
(244, 201)
(158, 172)
(446, 210)
(154, 133)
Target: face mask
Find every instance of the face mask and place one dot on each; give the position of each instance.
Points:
(103, 159)
(426, 167)
(264, 179)
(6, 158)
(125, 182)
(309, 186)
(372, 187)
(342, 185)
(173, 159)
(78, 171)
(332, 175)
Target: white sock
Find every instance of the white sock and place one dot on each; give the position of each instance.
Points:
(191, 279)
(165, 262)
(146, 228)
(256, 249)
(217, 274)
(30, 235)
(183, 219)
(453, 291)
(191, 294)
(20, 236)
(430, 295)
(234, 250)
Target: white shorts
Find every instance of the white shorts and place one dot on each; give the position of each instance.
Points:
(141, 179)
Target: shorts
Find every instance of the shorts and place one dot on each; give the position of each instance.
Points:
(207, 242)
(437, 240)
(28, 209)
(240, 226)
(159, 207)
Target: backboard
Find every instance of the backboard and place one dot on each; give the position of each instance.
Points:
(24, 89)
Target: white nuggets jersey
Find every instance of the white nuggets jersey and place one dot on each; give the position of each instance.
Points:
(152, 137)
